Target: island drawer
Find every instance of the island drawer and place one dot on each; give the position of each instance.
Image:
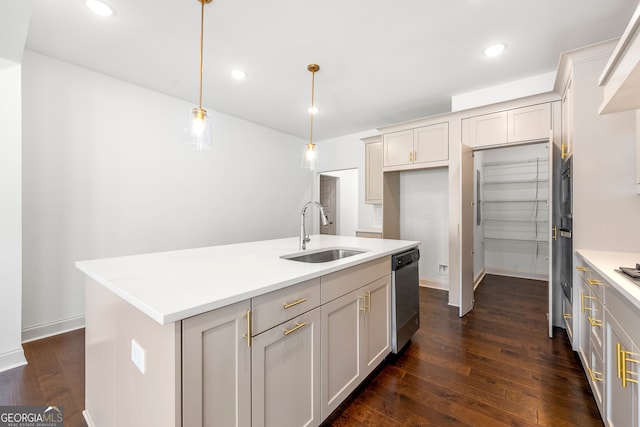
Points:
(339, 283)
(276, 307)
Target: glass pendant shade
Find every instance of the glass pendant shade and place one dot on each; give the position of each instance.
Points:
(310, 157)
(197, 130)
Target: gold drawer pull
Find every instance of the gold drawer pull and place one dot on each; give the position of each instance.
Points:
(296, 302)
(248, 336)
(582, 302)
(623, 358)
(295, 328)
(594, 282)
(594, 322)
(581, 269)
(595, 376)
(566, 316)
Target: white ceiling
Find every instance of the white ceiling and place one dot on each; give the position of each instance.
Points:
(381, 62)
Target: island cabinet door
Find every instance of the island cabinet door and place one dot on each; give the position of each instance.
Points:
(340, 346)
(376, 324)
(621, 377)
(216, 368)
(286, 373)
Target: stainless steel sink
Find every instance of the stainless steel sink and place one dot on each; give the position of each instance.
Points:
(324, 255)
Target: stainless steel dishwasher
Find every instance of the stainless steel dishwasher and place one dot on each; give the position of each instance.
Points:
(405, 298)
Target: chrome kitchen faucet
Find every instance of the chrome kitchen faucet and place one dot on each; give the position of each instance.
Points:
(304, 237)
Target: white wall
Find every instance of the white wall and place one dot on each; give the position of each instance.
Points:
(105, 175)
(11, 353)
(347, 152)
(347, 199)
(606, 207)
(426, 192)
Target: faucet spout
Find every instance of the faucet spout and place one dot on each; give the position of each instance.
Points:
(304, 237)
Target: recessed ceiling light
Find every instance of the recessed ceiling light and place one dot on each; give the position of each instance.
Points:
(313, 110)
(99, 8)
(494, 50)
(238, 74)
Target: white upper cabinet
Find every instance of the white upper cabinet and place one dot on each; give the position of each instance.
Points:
(420, 146)
(621, 75)
(373, 170)
(504, 127)
(529, 123)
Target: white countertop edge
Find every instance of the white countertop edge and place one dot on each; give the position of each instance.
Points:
(606, 262)
(176, 315)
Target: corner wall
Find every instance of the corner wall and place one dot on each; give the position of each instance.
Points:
(11, 354)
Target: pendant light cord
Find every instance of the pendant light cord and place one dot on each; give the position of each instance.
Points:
(201, 47)
(313, 81)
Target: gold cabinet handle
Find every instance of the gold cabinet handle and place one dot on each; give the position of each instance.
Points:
(410, 156)
(296, 302)
(295, 328)
(594, 322)
(595, 376)
(366, 302)
(595, 282)
(623, 358)
(415, 156)
(566, 316)
(581, 269)
(583, 297)
(248, 336)
(562, 152)
(555, 233)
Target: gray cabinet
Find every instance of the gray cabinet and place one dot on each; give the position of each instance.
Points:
(216, 368)
(516, 125)
(286, 372)
(373, 170)
(419, 147)
(608, 348)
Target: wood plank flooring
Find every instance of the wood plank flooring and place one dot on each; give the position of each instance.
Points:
(494, 367)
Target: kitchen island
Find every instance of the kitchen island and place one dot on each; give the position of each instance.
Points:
(234, 334)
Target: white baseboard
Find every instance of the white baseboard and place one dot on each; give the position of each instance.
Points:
(478, 279)
(518, 274)
(88, 419)
(12, 359)
(428, 283)
(53, 328)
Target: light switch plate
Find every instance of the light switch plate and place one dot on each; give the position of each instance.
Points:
(138, 356)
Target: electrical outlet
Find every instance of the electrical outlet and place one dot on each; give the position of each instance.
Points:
(443, 269)
(138, 356)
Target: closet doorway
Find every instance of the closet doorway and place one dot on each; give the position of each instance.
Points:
(514, 214)
(338, 193)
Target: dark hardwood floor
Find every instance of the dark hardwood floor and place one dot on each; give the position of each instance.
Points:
(494, 367)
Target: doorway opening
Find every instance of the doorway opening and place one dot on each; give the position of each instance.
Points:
(338, 194)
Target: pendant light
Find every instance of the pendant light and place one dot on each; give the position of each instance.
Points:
(197, 131)
(310, 156)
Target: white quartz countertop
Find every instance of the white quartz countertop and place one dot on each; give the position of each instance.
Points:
(605, 263)
(171, 286)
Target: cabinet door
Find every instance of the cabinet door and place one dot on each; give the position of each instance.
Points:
(567, 315)
(488, 129)
(373, 172)
(431, 143)
(286, 373)
(584, 329)
(621, 395)
(398, 148)
(216, 368)
(567, 121)
(529, 123)
(376, 323)
(340, 347)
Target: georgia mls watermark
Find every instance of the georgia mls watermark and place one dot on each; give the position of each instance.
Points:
(31, 416)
